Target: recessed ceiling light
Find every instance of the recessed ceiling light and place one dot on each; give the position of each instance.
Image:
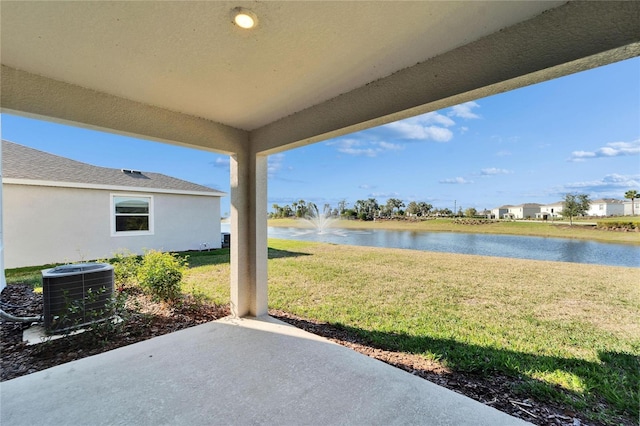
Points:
(244, 18)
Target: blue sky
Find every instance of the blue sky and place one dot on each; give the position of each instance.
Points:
(579, 133)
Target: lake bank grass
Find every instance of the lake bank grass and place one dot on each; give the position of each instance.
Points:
(570, 331)
(526, 228)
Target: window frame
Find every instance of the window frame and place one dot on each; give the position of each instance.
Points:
(113, 215)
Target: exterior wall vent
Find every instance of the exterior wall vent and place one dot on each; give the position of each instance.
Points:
(76, 295)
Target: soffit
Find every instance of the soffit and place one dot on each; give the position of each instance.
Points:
(188, 57)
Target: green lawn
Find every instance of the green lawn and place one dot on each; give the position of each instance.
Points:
(558, 325)
(530, 228)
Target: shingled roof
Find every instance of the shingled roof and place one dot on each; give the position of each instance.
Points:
(24, 163)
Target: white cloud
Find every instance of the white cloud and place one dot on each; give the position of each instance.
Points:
(610, 186)
(274, 164)
(494, 171)
(364, 148)
(384, 195)
(464, 110)
(221, 162)
(359, 152)
(388, 146)
(430, 126)
(581, 155)
(612, 149)
(457, 180)
(503, 153)
(416, 131)
(355, 147)
(505, 139)
(439, 134)
(366, 186)
(434, 118)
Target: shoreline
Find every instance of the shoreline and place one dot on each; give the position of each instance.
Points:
(521, 228)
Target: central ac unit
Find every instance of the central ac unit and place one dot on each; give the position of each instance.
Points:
(76, 295)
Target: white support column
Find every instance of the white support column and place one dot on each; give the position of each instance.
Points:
(3, 282)
(248, 234)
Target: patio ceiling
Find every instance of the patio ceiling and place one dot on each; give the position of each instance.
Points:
(181, 72)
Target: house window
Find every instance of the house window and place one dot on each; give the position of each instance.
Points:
(131, 215)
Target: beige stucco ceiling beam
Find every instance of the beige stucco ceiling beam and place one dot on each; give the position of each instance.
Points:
(571, 38)
(35, 96)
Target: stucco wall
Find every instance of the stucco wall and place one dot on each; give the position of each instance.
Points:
(49, 225)
(520, 212)
(628, 210)
(605, 209)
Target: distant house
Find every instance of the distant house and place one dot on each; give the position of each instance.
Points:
(550, 211)
(499, 212)
(606, 207)
(486, 214)
(628, 210)
(60, 210)
(523, 211)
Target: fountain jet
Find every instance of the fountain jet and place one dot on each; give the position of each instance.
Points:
(319, 221)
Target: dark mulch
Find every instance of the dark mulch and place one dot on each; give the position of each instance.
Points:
(144, 319)
(147, 319)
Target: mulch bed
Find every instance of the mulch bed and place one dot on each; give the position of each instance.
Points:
(147, 319)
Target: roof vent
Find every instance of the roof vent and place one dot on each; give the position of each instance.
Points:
(131, 172)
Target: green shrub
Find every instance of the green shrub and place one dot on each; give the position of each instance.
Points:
(618, 225)
(160, 274)
(100, 313)
(125, 269)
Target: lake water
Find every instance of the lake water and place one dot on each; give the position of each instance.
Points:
(538, 248)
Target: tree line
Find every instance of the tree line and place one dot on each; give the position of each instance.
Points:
(573, 205)
(367, 209)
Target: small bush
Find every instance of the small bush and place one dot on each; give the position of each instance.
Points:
(125, 269)
(98, 311)
(160, 274)
(621, 225)
(473, 221)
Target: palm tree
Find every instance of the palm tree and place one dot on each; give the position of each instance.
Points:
(632, 194)
(342, 206)
(302, 208)
(393, 204)
(424, 208)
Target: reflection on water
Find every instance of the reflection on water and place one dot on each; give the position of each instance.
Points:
(538, 248)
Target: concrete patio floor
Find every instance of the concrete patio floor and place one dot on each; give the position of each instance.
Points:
(235, 372)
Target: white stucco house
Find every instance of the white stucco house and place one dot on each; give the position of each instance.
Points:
(523, 211)
(60, 210)
(550, 211)
(499, 212)
(606, 207)
(630, 210)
